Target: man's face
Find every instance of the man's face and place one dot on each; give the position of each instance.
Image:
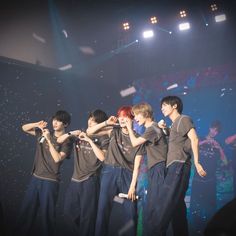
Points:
(213, 132)
(140, 119)
(166, 109)
(58, 125)
(122, 120)
(91, 122)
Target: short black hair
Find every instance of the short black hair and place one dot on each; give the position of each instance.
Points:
(98, 115)
(216, 124)
(62, 116)
(173, 100)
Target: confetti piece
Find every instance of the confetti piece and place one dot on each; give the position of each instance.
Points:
(118, 200)
(127, 91)
(172, 86)
(87, 50)
(39, 38)
(66, 67)
(65, 33)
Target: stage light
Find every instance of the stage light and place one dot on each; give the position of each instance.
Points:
(220, 18)
(126, 26)
(183, 14)
(153, 20)
(214, 7)
(148, 34)
(184, 26)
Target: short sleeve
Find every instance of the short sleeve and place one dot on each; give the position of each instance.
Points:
(152, 134)
(185, 125)
(66, 147)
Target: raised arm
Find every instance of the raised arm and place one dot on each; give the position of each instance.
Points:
(100, 154)
(65, 136)
(195, 148)
(132, 188)
(136, 141)
(57, 156)
(30, 127)
(95, 128)
(231, 139)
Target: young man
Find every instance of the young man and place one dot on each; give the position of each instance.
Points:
(203, 203)
(182, 141)
(156, 148)
(81, 198)
(42, 192)
(119, 175)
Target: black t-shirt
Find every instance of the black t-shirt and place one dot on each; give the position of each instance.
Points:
(120, 151)
(44, 165)
(85, 161)
(179, 148)
(156, 145)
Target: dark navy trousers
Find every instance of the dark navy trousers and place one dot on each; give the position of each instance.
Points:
(40, 195)
(170, 205)
(156, 175)
(115, 180)
(80, 206)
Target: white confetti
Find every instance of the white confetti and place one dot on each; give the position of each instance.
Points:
(127, 91)
(118, 200)
(39, 38)
(172, 86)
(87, 50)
(65, 33)
(66, 67)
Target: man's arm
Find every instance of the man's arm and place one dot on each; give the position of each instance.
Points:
(30, 127)
(231, 139)
(57, 156)
(132, 188)
(136, 141)
(111, 121)
(100, 154)
(194, 144)
(65, 136)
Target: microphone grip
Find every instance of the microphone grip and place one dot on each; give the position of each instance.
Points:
(124, 195)
(42, 139)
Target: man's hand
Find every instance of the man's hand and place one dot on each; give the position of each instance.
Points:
(200, 170)
(46, 134)
(41, 124)
(83, 136)
(112, 120)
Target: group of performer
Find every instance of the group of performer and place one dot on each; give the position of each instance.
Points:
(106, 162)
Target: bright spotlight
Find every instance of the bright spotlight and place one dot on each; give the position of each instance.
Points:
(148, 34)
(136, 40)
(184, 26)
(153, 20)
(183, 14)
(213, 7)
(126, 26)
(219, 18)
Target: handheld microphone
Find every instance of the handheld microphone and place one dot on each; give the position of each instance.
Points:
(124, 195)
(165, 130)
(42, 139)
